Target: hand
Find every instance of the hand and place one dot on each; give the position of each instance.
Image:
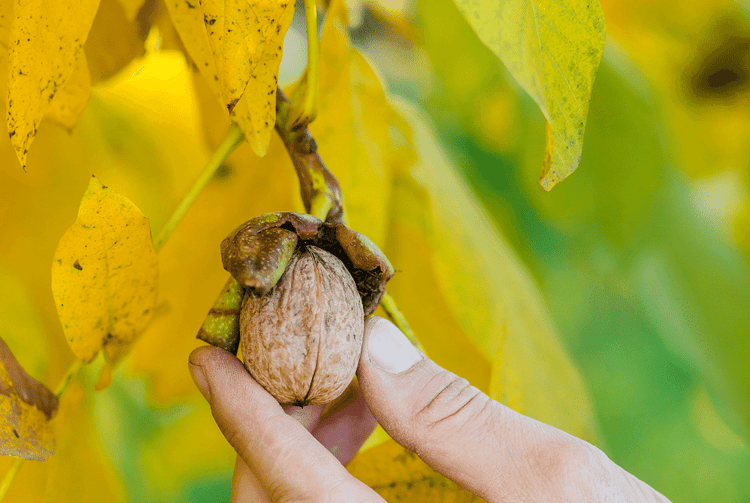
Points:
(291, 454)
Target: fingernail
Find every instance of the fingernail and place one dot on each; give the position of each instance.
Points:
(199, 378)
(389, 349)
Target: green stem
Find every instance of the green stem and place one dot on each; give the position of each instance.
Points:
(305, 97)
(8, 479)
(70, 374)
(398, 319)
(231, 141)
(310, 110)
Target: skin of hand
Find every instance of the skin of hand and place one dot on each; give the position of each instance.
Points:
(289, 454)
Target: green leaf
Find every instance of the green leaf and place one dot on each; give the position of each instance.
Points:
(553, 50)
(104, 273)
(488, 293)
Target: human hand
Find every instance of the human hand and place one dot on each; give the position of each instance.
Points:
(292, 454)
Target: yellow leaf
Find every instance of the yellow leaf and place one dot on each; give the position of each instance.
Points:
(410, 247)
(25, 407)
(69, 102)
(46, 40)
(131, 8)
(237, 47)
(79, 471)
(553, 50)
(489, 293)
(104, 273)
(116, 38)
(398, 474)
(351, 130)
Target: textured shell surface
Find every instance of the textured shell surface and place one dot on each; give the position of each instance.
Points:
(302, 340)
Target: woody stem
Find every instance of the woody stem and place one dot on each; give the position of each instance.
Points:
(320, 190)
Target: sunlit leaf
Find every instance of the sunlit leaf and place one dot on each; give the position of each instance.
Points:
(131, 8)
(222, 206)
(71, 99)
(104, 273)
(398, 474)
(117, 38)
(473, 90)
(492, 296)
(237, 47)
(25, 407)
(46, 40)
(352, 129)
(553, 50)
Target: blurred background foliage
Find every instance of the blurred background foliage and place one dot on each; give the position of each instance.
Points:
(641, 255)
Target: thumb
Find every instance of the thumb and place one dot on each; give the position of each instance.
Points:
(455, 428)
(286, 459)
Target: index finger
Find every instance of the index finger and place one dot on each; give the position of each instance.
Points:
(287, 460)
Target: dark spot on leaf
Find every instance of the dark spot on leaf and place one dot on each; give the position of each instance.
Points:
(190, 6)
(77, 265)
(231, 105)
(16, 433)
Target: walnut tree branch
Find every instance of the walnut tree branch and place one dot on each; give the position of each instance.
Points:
(320, 190)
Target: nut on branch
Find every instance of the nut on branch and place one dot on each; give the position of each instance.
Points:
(308, 285)
(256, 254)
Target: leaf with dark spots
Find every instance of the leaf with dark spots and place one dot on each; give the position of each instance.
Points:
(118, 284)
(26, 406)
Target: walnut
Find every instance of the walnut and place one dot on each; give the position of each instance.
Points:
(302, 288)
(302, 340)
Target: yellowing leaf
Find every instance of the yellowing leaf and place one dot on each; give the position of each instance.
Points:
(352, 130)
(553, 50)
(25, 407)
(69, 102)
(398, 474)
(104, 273)
(488, 292)
(46, 40)
(116, 38)
(237, 47)
(131, 8)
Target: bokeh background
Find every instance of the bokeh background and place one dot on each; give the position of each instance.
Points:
(642, 256)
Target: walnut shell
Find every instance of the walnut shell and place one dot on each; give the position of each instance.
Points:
(302, 340)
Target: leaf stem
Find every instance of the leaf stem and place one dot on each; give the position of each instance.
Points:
(10, 476)
(230, 142)
(391, 309)
(306, 109)
(68, 377)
